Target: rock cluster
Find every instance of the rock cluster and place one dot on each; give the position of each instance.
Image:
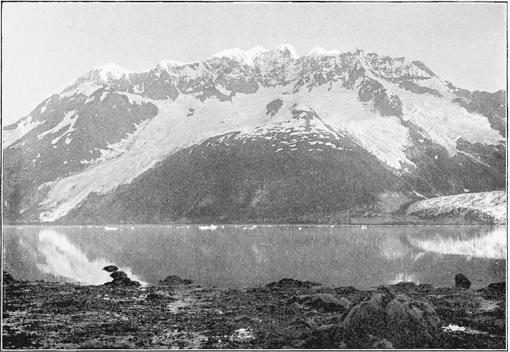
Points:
(286, 283)
(120, 278)
(174, 280)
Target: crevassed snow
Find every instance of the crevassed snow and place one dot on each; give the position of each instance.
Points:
(444, 123)
(492, 203)
(25, 126)
(116, 149)
(384, 137)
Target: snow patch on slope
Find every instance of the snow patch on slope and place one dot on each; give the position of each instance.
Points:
(66, 121)
(85, 88)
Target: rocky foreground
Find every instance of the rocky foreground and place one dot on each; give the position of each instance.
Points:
(284, 314)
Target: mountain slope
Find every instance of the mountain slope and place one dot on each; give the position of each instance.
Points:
(112, 130)
(280, 171)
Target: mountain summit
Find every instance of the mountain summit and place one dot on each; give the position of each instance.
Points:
(253, 136)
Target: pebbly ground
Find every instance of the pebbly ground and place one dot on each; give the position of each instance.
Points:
(281, 315)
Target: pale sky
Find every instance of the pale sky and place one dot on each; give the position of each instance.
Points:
(47, 46)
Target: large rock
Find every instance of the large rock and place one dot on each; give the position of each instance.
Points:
(123, 281)
(8, 279)
(118, 275)
(403, 321)
(110, 268)
(498, 287)
(461, 281)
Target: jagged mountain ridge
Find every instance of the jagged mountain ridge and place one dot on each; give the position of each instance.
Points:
(111, 126)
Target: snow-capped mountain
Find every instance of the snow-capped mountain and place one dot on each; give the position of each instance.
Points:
(258, 135)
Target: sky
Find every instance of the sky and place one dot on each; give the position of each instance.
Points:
(47, 46)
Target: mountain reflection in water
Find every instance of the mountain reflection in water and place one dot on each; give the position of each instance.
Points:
(240, 256)
(491, 244)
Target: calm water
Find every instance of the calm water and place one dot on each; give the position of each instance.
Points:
(240, 256)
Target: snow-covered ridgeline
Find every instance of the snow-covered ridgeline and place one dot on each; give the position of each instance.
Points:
(24, 126)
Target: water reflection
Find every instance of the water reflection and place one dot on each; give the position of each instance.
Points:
(60, 258)
(491, 244)
(240, 256)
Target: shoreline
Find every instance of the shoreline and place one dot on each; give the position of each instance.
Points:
(285, 314)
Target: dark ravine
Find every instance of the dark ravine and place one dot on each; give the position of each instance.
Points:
(286, 314)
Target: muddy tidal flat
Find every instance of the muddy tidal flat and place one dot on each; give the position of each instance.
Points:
(285, 314)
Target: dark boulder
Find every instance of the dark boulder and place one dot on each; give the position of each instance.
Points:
(499, 287)
(402, 321)
(110, 268)
(123, 281)
(8, 279)
(119, 275)
(461, 281)
(174, 280)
